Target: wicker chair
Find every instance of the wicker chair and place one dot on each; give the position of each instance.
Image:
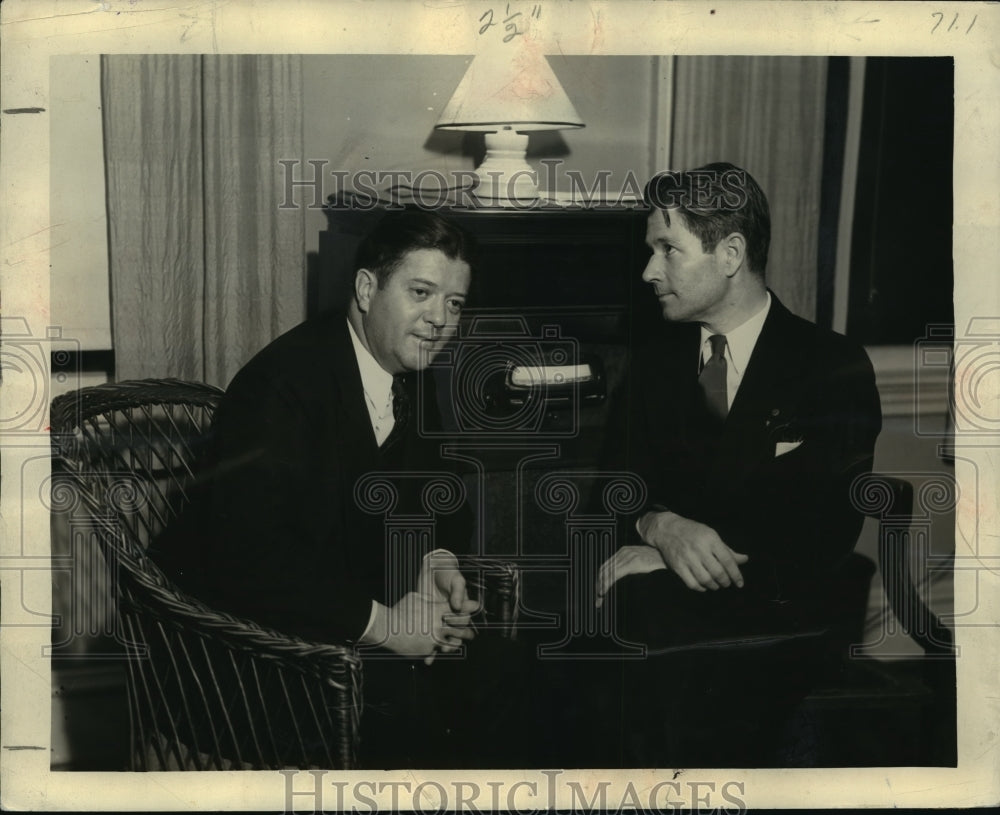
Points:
(206, 690)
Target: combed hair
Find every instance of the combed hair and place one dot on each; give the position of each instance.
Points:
(714, 201)
(402, 231)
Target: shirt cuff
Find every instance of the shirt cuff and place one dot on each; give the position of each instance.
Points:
(646, 510)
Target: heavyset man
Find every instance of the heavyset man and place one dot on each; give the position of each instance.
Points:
(280, 533)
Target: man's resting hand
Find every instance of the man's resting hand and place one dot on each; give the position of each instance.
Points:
(435, 617)
(441, 579)
(693, 550)
(627, 560)
(419, 626)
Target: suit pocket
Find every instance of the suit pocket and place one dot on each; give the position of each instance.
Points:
(782, 448)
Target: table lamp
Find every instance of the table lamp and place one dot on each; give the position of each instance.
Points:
(506, 94)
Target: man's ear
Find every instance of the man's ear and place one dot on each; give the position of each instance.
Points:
(365, 282)
(734, 252)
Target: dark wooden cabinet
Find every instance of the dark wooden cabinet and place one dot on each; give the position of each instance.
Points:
(540, 262)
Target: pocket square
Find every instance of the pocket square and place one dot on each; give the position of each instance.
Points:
(782, 447)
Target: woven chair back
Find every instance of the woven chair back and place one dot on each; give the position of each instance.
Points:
(206, 690)
(138, 443)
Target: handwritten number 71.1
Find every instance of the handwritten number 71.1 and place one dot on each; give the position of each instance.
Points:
(953, 23)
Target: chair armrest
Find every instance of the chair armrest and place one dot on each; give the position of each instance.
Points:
(173, 607)
(230, 688)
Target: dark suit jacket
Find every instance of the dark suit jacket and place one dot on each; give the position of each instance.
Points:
(276, 533)
(790, 513)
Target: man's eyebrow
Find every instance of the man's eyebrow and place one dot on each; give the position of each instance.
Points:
(430, 284)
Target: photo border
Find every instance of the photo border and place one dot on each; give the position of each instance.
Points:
(33, 31)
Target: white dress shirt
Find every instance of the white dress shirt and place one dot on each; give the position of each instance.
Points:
(740, 343)
(377, 384)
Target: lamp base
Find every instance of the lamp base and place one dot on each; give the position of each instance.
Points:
(504, 174)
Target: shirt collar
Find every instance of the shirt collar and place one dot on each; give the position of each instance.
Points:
(741, 340)
(376, 381)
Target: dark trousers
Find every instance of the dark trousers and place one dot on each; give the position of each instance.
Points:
(469, 711)
(688, 700)
(723, 672)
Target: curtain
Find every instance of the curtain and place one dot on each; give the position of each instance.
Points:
(206, 268)
(765, 114)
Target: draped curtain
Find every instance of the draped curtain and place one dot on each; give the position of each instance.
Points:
(206, 268)
(765, 114)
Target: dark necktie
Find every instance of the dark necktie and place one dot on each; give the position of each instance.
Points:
(400, 408)
(713, 379)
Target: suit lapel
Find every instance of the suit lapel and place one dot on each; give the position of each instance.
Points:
(676, 403)
(346, 376)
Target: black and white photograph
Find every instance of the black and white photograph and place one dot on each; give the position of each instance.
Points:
(499, 405)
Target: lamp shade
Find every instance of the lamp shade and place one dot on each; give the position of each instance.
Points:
(509, 88)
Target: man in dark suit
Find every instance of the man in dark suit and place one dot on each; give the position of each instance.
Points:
(748, 425)
(284, 532)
